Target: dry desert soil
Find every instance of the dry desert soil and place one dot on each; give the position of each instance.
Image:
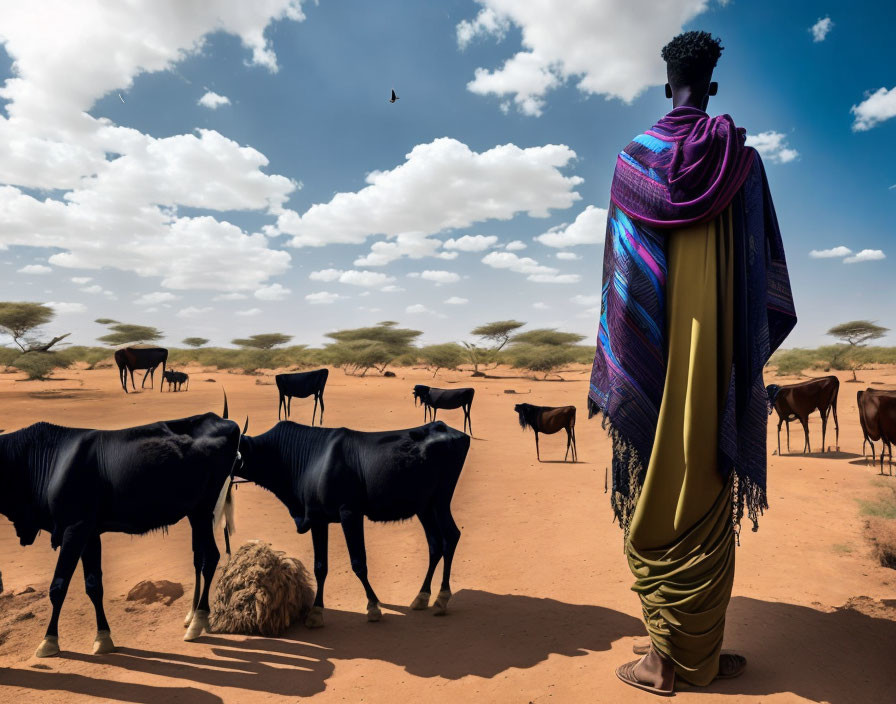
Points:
(542, 610)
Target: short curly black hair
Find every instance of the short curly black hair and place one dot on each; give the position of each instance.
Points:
(690, 58)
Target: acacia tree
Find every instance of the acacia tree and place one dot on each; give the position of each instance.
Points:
(544, 350)
(448, 355)
(262, 341)
(360, 349)
(19, 320)
(856, 334)
(195, 342)
(498, 333)
(126, 333)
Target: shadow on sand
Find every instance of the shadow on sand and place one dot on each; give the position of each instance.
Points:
(839, 657)
(484, 635)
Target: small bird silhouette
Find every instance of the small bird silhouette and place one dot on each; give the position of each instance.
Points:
(120, 98)
(394, 97)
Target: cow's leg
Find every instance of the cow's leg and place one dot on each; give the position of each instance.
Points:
(227, 542)
(73, 541)
(319, 537)
(780, 422)
(91, 560)
(314, 412)
(805, 423)
(288, 406)
(197, 566)
(824, 428)
(788, 437)
(321, 421)
(353, 528)
(204, 526)
(450, 537)
(537, 450)
(143, 383)
(434, 541)
(468, 418)
(133, 385)
(575, 450)
(836, 426)
(568, 444)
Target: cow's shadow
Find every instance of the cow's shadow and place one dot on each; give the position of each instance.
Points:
(484, 634)
(838, 657)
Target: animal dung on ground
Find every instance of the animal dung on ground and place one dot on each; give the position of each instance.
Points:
(156, 591)
(261, 592)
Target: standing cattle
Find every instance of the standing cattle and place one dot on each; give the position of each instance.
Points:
(302, 385)
(447, 399)
(77, 484)
(140, 357)
(176, 379)
(549, 420)
(869, 404)
(336, 475)
(797, 401)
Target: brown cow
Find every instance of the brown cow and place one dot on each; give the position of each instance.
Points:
(797, 401)
(140, 357)
(550, 420)
(869, 403)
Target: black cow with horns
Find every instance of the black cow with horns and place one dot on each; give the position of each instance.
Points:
(77, 484)
(302, 385)
(447, 399)
(337, 475)
(140, 357)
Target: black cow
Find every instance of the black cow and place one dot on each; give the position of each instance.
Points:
(448, 399)
(302, 385)
(176, 379)
(130, 358)
(77, 484)
(336, 475)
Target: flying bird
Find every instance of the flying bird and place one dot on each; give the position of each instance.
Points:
(394, 97)
(120, 98)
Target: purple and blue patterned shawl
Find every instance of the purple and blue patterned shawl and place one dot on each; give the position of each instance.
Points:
(686, 169)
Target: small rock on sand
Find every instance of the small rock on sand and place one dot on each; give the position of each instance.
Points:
(156, 591)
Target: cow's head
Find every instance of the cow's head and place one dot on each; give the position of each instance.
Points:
(523, 410)
(421, 393)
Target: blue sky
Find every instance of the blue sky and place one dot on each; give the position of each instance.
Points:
(512, 114)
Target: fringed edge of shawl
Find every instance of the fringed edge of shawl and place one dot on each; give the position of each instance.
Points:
(624, 455)
(747, 496)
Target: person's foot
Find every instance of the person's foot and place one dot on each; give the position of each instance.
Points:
(731, 665)
(652, 673)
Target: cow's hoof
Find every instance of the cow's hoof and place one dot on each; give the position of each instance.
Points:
(315, 617)
(373, 612)
(189, 619)
(197, 626)
(442, 602)
(103, 643)
(421, 602)
(48, 647)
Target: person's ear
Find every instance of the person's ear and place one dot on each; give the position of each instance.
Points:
(668, 91)
(713, 88)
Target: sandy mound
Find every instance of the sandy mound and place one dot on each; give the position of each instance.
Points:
(154, 592)
(882, 534)
(261, 592)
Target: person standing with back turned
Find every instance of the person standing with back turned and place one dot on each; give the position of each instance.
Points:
(695, 299)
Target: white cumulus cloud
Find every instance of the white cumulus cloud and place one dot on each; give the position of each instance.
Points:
(456, 301)
(321, 297)
(526, 265)
(591, 43)
(821, 29)
(81, 280)
(832, 253)
(62, 307)
(589, 227)
(248, 313)
(772, 146)
(35, 269)
(567, 256)
(154, 298)
(515, 246)
(194, 311)
(441, 185)
(876, 108)
(866, 255)
(471, 243)
(353, 277)
(274, 292)
(439, 276)
(212, 100)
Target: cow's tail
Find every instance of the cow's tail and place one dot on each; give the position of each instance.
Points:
(224, 508)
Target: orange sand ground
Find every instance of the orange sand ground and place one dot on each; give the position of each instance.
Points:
(542, 610)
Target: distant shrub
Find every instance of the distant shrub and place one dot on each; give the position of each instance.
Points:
(39, 365)
(445, 356)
